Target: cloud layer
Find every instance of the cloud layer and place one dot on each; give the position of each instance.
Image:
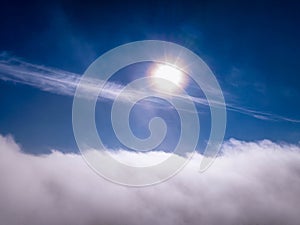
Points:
(251, 183)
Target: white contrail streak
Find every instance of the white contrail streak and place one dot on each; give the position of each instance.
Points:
(65, 83)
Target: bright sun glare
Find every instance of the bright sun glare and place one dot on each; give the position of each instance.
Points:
(170, 74)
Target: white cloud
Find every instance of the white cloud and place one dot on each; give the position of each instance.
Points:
(251, 183)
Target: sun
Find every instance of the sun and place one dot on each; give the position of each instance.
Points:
(173, 76)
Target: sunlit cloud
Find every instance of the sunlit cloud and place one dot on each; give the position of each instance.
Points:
(250, 183)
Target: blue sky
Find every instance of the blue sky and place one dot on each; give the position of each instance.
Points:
(252, 48)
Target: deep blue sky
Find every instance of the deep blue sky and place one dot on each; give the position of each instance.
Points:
(252, 47)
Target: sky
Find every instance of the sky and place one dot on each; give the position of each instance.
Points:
(252, 48)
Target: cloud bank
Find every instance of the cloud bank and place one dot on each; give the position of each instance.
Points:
(251, 183)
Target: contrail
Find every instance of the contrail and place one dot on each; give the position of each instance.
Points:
(49, 79)
(62, 82)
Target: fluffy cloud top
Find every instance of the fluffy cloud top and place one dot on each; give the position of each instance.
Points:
(251, 183)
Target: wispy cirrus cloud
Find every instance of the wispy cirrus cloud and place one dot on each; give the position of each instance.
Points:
(63, 82)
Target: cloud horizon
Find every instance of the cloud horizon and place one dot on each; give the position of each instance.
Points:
(250, 183)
